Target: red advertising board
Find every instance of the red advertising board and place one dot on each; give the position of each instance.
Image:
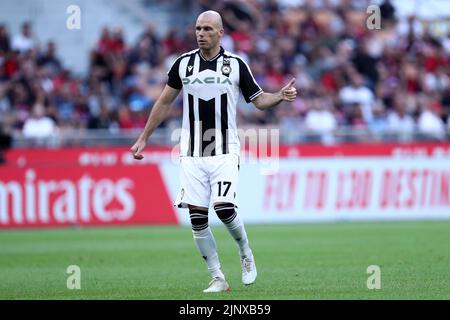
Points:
(73, 195)
(106, 186)
(380, 149)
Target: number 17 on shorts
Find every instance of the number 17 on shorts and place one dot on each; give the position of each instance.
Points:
(208, 179)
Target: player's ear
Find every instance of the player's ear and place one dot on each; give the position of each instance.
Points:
(221, 32)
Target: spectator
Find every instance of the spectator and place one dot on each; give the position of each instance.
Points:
(25, 40)
(242, 37)
(105, 43)
(378, 125)
(387, 11)
(11, 64)
(320, 120)
(398, 121)
(365, 64)
(39, 126)
(118, 45)
(50, 60)
(357, 93)
(171, 43)
(149, 34)
(5, 44)
(143, 54)
(355, 117)
(103, 120)
(430, 123)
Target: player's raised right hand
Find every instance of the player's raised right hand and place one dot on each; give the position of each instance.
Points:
(137, 148)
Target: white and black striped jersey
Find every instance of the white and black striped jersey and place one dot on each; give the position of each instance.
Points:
(210, 95)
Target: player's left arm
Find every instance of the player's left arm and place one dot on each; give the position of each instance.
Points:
(267, 100)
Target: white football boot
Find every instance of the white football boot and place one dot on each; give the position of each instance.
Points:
(248, 270)
(217, 285)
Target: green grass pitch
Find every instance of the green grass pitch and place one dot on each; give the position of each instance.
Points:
(298, 261)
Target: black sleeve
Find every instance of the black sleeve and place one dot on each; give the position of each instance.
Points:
(174, 80)
(249, 88)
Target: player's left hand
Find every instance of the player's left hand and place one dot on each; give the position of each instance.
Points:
(288, 92)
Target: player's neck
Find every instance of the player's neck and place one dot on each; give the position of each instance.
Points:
(211, 53)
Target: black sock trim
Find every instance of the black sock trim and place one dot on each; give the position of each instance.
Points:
(225, 212)
(199, 219)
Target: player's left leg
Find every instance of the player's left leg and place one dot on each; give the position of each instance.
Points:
(233, 222)
(224, 170)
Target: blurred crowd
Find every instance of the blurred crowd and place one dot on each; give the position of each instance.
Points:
(390, 80)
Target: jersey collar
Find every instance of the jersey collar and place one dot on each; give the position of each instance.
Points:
(215, 57)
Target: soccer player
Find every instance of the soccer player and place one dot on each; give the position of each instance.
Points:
(211, 79)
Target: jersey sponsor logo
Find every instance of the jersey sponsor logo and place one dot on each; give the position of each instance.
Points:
(207, 80)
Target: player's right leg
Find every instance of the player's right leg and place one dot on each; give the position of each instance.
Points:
(195, 194)
(206, 245)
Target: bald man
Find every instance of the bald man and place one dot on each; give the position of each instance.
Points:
(212, 80)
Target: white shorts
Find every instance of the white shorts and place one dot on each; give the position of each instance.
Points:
(204, 179)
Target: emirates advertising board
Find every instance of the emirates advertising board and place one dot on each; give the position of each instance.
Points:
(82, 187)
(92, 187)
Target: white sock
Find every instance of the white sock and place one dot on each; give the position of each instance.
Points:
(237, 231)
(206, 244)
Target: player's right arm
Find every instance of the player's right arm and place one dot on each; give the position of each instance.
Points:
(157, 115)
